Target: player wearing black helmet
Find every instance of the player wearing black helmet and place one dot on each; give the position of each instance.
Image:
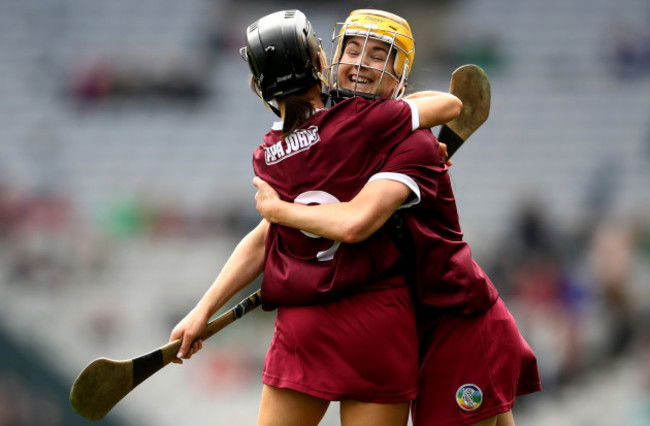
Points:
(284, 54)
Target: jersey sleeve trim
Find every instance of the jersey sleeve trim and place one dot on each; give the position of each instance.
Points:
(415, 196)
(415, 114)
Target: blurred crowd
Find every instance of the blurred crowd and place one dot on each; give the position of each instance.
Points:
(629, 50)
(579, 295)
(47, 238)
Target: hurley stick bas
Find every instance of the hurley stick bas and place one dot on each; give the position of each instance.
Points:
(104, 382)
(472, 86)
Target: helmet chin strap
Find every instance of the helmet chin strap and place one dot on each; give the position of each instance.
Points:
(271, 107)
(268, 105)
(339, 95)
(400, 88)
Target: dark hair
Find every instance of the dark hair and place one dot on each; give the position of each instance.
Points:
(297, 111)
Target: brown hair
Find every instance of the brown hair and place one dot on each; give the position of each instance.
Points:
(297, 111)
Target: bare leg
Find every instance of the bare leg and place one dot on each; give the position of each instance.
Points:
(506, 419)
(503, 419)
(286, 407)
(356, 413)
(491, 421)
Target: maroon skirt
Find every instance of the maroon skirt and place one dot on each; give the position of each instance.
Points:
(360, 347)
(473, 367)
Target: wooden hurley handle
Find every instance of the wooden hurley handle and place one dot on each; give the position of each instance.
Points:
(236, 312)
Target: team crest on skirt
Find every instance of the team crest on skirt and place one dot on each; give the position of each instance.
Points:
(469, 397)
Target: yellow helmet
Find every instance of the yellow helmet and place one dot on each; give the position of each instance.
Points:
(383, 26)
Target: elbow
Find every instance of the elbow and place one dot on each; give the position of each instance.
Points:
(354, 232)
(352, 238)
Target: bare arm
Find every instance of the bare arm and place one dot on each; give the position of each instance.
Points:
(348, 222)
(435, 108)
(244, 265)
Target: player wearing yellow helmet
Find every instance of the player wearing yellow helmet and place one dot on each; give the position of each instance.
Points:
(373, 50)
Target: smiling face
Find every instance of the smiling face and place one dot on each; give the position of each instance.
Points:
(366, 66)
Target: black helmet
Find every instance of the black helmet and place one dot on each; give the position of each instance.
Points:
(283, 53)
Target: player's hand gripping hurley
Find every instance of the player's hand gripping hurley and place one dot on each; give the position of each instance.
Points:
(104, 382)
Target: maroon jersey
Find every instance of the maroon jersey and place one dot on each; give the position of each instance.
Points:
(328, 160)
(462, 321)
(446, 275)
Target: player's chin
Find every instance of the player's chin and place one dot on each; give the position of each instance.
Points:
(360, 88)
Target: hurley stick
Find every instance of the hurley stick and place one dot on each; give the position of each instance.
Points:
(104, 382)
(472, 86)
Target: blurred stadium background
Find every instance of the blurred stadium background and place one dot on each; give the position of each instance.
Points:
(126, 133)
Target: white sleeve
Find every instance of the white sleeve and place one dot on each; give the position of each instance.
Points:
(415, 114)
(414, 198)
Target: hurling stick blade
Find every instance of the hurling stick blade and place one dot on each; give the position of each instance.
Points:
(472, 86)
(104, 382)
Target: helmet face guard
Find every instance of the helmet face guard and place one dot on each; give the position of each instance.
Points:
(378, 25)
(284, 54)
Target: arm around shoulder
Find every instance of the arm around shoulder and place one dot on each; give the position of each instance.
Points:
(349, 222)
(435, 108)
